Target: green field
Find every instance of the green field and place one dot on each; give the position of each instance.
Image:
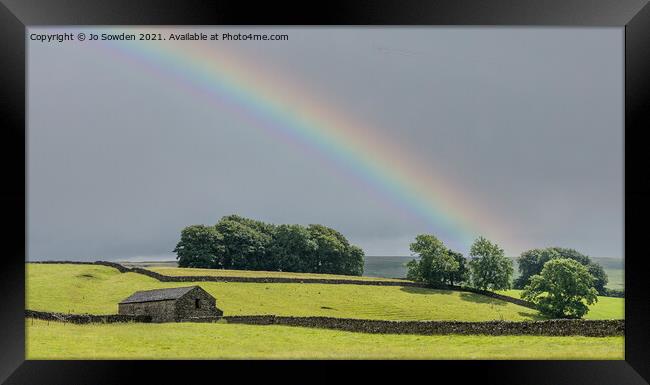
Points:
(605, 308)
(54, 340)
(98, 289)
(615, 279)
(179, 271)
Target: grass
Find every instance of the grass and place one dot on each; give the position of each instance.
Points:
(98, 289)
(177, 271)
(55, 340)
(615, 279)
(605, 308)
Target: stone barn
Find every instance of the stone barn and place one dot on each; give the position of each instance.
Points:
(172, 305)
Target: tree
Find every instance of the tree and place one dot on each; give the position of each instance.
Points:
(236, 242)
(245, 247)
(334, 254)
(292, 248)
(489, 267)
(600, 277)
(262, 227)
(435, 263)
(460, 275)
(354, 261)
(199, 246)
(563, 289)
(531, 263)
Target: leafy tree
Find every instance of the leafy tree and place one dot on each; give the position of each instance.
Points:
(563, 289)
(262, 227)
(594, 268)
(236, 242)
(435, 263)
(292, 248)
(460, 275)
(354, 261)
(531, 263)
(199, 246)
(413, 272)
(245, 247)
(600, 277)
(334, 254)
(490, 269)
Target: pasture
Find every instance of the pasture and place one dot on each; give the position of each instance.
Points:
(55, 340)
(98, 289)
(616, 278)
(605, 308)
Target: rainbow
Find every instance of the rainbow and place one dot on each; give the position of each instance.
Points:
(294, 114)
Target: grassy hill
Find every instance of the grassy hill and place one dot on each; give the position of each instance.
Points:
(615, 278)
(98, 289)
(54, 340)
(605, 308)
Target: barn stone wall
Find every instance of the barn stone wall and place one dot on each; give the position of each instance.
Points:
(186, 306)
(160, 311)
(174, 310)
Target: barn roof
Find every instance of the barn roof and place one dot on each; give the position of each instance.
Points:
(158, 294)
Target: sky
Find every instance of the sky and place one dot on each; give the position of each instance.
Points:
(381, 133)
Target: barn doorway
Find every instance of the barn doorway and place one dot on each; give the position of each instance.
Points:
(197, 303)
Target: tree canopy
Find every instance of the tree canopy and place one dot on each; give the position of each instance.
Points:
(199, 246)
(241, 243)
(461, 274)
(490, 268)
(563, 289)
(532, 261)
(436, 264)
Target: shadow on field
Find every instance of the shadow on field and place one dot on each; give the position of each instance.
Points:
(87, 276)
(478, 298)
(533, 316)
(422, 290)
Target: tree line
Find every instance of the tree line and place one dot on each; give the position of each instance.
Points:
(235, 242)
(561, 282)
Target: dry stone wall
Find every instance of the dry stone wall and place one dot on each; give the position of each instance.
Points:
(564, 327)
(197, 304)
(208, 278)
(158, 311)
(85, 318)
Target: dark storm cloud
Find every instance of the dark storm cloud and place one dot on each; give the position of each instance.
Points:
(527, 121)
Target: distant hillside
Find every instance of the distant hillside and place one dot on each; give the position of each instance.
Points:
(385, 267)
(610, 263)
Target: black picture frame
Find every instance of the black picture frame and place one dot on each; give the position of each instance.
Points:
(17, 15)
